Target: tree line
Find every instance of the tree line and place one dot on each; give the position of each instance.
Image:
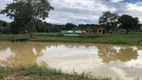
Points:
(108, 20)
(40, 26)
(29, 15)
(113, 22)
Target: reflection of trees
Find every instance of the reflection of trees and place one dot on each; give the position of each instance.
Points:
(77, 45)
(139, 47)
(23, 53)
(3, 47)
(111, 54)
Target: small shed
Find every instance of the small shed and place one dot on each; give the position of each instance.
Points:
(101, 30)
(88, 30)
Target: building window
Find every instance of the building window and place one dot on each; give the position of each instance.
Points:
(99, 30)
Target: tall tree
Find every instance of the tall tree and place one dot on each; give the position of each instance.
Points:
(109, 20)
(69, 26)
(136, 25)
(128, 22)
(27, 12)
(3, 23)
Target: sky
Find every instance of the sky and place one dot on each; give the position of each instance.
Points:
(85, 11)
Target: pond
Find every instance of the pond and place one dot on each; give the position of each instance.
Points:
(117, 61)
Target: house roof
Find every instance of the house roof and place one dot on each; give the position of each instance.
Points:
(88, 28)
(100, 27)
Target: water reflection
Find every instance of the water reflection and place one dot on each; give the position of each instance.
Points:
(114, 53)
(20, 53)
(100, 59)
(70, 56)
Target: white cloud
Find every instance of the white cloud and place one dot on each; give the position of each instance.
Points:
(78, 11)
(134, 9)
(86, 11)
(116, 1)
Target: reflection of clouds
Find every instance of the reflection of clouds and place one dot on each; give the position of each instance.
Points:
(79, 58)
(5, 54)
(140, 52)
(34, 51)
(62, 50)
(134, 48)
(117, 48)
(133, 72)
(121, 73)
(136, 63)
(86, 59)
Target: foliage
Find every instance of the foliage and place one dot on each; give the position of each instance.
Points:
(27, 12)
(4, 27)
(69, 26)
(128, 22)
(3, 23)
(109, 20)
(14, 28)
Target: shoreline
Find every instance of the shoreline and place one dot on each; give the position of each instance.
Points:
(72, 42)
(85, 42)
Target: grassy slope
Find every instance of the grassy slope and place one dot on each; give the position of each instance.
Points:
(34, 72)
(122, 38)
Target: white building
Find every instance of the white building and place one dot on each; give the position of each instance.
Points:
(73, 31)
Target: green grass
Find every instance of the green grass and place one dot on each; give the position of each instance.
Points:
(121, 38)
(11, 36)
(34, 72)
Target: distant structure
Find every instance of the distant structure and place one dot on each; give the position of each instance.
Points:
(77, 32)
(101, 30)
(88, 30)
(73, 31)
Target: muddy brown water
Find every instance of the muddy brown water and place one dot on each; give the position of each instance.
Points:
(117, 61)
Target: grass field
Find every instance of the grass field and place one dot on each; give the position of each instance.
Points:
(120, 38)
(34, 72)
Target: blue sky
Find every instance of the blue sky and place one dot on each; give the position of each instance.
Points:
(86, 11)
(132, 1)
